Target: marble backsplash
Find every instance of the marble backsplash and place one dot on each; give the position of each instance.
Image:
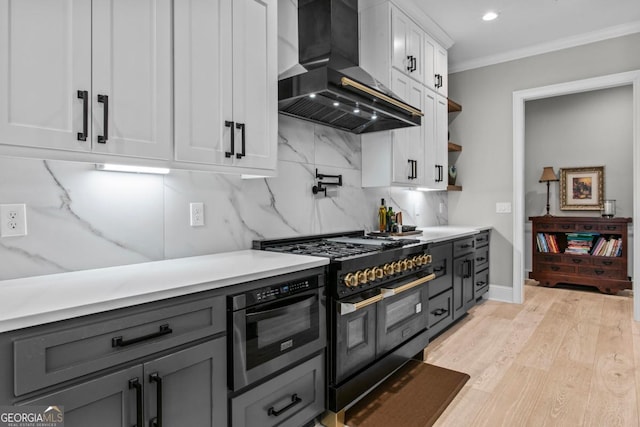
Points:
(80, 218)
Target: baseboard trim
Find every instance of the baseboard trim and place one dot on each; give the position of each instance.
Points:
(500, 293)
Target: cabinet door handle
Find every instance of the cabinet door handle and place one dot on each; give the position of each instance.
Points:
(157, 421)
(415, 64)
(119, 342)
(439, 312)
(104, 99)
(409, 62)
(272, 412)
(228, 154)
(84, 95)
(411, 173)
(241, 126)
(135, 383)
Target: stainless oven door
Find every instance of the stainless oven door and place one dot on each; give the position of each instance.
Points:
(402, 313)
(269, 337)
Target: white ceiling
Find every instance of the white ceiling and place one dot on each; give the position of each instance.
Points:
(526, 27)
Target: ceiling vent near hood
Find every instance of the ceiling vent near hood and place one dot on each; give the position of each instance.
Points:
(335, 91)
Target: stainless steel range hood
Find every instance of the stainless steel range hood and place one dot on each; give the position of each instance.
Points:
(335, 91)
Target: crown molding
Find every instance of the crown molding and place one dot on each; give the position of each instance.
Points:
(563, 43)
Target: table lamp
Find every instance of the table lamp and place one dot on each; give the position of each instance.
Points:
(548, 175)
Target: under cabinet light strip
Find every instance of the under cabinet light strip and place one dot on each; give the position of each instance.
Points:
(135, 169)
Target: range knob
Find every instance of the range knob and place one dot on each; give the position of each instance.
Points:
(409, 264)
(403, 265)
(427, 259)
(388, 269)
(396, 266)
(417, 260)
(371, 275)
(351, 280)
(362, 277)
(379, 272)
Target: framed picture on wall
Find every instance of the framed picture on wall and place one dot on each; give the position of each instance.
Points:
(582, 188)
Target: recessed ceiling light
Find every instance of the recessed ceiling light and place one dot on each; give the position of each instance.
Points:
(336, 103)
(356, 110)
(489, 16)
(312, 95)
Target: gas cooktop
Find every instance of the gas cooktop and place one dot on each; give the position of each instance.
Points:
(333, 246)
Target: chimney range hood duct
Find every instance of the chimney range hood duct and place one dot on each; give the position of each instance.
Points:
(335, 91)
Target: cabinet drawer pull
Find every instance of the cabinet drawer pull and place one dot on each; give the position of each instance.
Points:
(555, 268)
(241, 126)
(612, 227)
(607, 262)
(157, 421)
(84, 95)
(119, 342)
(229, 124)
(104, 99)
(576, 261)
(480, 284)
(135, 383)
(480, 259)
(439, 312)
(565, 227)
(598, 272)
(294, 401)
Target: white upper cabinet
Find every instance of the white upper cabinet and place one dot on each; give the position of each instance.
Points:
(390, 38)
(396, 157)
(408, 45)
(88, 76)
(226, 83)
(45, 59)
(435, 141)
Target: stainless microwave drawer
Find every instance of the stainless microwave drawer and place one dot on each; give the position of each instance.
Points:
(293, 398)
(63, 351)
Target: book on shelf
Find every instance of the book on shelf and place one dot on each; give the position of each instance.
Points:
(611, 247)
(580, 243)
(547, 243)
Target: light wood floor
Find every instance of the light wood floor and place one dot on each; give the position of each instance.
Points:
(563, 358)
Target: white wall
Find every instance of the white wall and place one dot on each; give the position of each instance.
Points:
(484, 128)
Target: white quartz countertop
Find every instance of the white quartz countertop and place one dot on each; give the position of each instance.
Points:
(447, 232)
(36, 300)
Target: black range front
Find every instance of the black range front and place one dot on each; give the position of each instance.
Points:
(376, 307)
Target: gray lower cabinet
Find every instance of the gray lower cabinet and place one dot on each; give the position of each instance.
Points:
(156, 364)
(187, 387)
(440, 289)
(481, 265)
(463, 293)
(291, 399)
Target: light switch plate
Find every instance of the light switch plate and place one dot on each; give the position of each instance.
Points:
(503, 207)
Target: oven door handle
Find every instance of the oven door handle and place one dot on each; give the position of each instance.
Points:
(348, 307)
(389, 292)
(285, 306)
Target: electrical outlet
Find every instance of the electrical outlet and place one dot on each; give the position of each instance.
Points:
(196, 210)
(13, 220)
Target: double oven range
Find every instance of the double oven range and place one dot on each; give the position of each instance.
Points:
(376, 308)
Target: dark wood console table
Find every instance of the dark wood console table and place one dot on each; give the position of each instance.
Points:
(588, 251)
